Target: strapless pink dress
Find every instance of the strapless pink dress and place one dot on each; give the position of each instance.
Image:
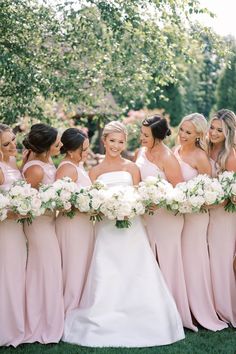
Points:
(196, 262)
(76, 240)
(44, 292)
(222, 248)
(164, 233)
(12, 271)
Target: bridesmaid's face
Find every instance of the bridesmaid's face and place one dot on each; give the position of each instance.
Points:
(8, 144)
(114, 144)
(55, 147)
(146, 137)
(85, 150)
(187, 133)
(216, 134)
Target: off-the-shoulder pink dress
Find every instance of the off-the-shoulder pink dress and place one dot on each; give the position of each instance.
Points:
(44, 292)
(76, 240)
(196, 262)
(12, 270)
(164, 232)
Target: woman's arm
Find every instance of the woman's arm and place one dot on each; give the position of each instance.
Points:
(203, 164)
(34, 175)
(67, 170)
(172, 170)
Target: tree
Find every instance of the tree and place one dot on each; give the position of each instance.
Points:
(27, 57)
(81, 53)
(226, 91)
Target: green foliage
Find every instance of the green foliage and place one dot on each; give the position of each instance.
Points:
(78, 53)
(26, 57)
(200, 83)
(226, 91)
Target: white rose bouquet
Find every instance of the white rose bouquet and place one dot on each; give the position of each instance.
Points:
(65, 190)
(122, 205)
(194, 195)
(153, 191)
(89, 200)
(24, 201)
(59, 196)
(177, 201)
(227, 180)
(4, 205)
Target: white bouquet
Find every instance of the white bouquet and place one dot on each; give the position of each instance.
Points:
(227, 180)
(4, 204)
(194, 195)
(177, 201)
(58, 196)
(89, 200)
(154, 191)
(121, 205)
(24, 201)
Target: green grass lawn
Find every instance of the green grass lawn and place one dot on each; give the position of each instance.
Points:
(223, 342)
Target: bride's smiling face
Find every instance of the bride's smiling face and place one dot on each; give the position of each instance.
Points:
(114, 143)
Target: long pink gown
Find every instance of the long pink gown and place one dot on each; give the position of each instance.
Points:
(164, 232)
(12, 271)
(222, 248)
(44, 293)
(196, 262)
(76, 240)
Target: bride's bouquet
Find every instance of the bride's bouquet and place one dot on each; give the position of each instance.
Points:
(227, 180)
(122, 204)
(90, 199)
(153, 191)
(4, 204)
(24, 201)
(58, 196)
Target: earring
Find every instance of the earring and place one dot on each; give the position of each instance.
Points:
(197, 140)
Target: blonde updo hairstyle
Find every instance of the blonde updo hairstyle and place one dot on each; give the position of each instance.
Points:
(228, 119)
(114, 127)
(200, 124)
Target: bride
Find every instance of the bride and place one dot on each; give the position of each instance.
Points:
(125, 302)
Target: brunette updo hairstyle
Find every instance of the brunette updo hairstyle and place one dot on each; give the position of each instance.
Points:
(159, 126)
(40, 138)
(72, 139)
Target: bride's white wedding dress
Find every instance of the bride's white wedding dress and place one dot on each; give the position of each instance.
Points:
(125, 302)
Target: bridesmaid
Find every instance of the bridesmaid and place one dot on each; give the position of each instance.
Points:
(12, 251)
(164, 228)
(44, 297)
(193, 160)
(222, 227)
(75, 235)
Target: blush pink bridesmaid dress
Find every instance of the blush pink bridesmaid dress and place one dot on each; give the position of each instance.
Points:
(196, 262)
(12, 271)
(222, 248)
(164, 232)
(76, 240)
(44, 293)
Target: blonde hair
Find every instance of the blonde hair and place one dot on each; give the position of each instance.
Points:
(114, 127)
(228, 119)
(200, 124)
(3, 128)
